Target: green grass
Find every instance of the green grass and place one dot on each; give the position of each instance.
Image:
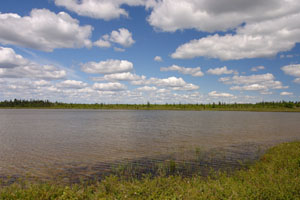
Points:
(275, 176)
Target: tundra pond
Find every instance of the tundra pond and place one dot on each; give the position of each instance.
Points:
(46, 143)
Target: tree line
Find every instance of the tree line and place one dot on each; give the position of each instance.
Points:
(19, 103)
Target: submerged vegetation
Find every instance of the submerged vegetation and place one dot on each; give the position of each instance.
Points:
(262, 106)
(275, 176)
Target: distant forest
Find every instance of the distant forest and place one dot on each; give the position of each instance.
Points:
(261, 106)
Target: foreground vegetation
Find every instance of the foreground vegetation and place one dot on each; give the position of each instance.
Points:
(275, 176)
(262, 106)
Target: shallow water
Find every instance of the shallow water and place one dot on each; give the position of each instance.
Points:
(43, 142)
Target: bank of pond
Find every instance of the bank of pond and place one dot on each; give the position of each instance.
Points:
(280, 106)
(276, 175)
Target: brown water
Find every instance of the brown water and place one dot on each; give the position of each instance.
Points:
(43, 142)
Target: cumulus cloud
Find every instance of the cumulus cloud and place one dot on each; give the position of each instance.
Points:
(297, 80)
(220, 71)
(257, 68)
(262, 83)
(260, 29)
(292, 70)
(72, 84)
(158, 59)
(102, 43)
(173, 83)
(9, 59)
(216, 94)
(275, 29)
(44, 30)
(13, 65)
(147, 89)
(99, 9)
(119, 49)
(41, 83)
(51, 90)
(286, 93)
(107, 67)
(214, 15)
(109, 86)
(184, 70)
(263, 39)
(106, 92)
(33, 70)
(125, 76)
(122, 36)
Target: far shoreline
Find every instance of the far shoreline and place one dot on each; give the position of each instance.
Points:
(290, 110)
(281, 106)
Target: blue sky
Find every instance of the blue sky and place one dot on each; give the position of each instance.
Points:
(162, 51)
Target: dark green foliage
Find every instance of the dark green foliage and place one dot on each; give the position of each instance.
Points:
(262, 106)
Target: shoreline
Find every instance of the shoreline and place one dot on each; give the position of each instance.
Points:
(274, 176)
(281, 106)
(291, 110)
(188, 163)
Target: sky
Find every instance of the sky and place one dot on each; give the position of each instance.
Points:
(157, 51)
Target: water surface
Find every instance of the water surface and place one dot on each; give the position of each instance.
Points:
(41, 142)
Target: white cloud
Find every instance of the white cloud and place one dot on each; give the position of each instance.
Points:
(286, 93)
(109, 86)
(257, 68)
(122, 36)
(33, 71)
(102, 43)
(119, 49)
(292, 70)
(168, 82)
(297, 80)
(216, 94)
(184, 70)
(173, 83)
(25, 84)
(252, 41)
(260, 29)
(72, 84)
(9, 59)
(107, 67)
(163, 90)
(99, 9)
(44, 30)
(187, 87)
(107, 93)
(266, 92)
(41, 83)
(13, 65)
(220, 71)
(248, 79)
(263, 35)
(252, 87)
(158, 59)
(125, 76)
(215, 15)
(262, 83)
(147, 89)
